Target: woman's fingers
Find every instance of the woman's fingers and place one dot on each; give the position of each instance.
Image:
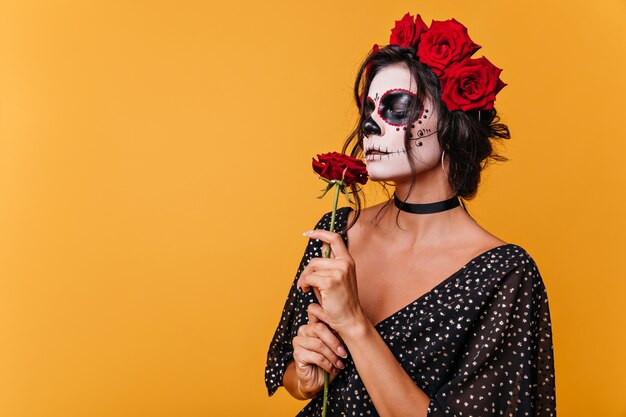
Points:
(323, 272)
(306, 356)
(323, 355)
(325, 248)
(338, 247)
(325, 333)
(316, 313)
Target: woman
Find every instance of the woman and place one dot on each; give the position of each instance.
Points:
(426, 313)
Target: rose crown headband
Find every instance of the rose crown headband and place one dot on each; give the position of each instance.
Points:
(466, 83)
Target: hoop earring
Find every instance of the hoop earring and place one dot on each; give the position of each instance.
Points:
(444, 170)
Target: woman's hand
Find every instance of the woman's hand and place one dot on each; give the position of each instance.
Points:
(316, 349)
(334, 282)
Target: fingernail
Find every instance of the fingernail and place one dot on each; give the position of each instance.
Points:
(308, 232)
(342, 352)
(340, 364)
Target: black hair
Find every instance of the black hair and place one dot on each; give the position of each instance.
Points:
(464, 135)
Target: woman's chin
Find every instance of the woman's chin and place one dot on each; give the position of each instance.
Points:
(390, 168)
(375, 174)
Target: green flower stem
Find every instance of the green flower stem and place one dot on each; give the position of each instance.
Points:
(327, 255)
(332, 219)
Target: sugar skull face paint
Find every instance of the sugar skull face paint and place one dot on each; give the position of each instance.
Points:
(386, 121)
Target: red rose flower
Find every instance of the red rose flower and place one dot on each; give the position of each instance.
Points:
(445, 43)
(338, 166)
(407, 31)
(339, 171)
(471, 85)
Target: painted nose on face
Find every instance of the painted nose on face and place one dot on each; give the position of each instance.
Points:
(370, 127)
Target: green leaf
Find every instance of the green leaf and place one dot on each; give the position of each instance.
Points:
(328, 187)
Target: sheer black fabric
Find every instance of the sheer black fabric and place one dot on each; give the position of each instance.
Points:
(478, 344)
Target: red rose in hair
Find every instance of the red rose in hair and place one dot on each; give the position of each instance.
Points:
(407, 31)
(471, 85)
(337, 166)
(445, 43)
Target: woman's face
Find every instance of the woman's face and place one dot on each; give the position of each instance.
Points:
(386, 122)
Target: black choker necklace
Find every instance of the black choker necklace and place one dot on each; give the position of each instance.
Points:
(426, 208)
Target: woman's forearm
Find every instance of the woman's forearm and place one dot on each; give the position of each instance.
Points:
(290, 382)
(391, 389)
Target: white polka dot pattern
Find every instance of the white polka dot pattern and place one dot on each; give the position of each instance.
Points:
(478, 344)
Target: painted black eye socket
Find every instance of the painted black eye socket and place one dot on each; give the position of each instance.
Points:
(395, 104)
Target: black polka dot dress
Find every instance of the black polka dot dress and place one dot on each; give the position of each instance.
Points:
(478, 344)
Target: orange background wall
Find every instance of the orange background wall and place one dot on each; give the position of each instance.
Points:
(155, 180)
